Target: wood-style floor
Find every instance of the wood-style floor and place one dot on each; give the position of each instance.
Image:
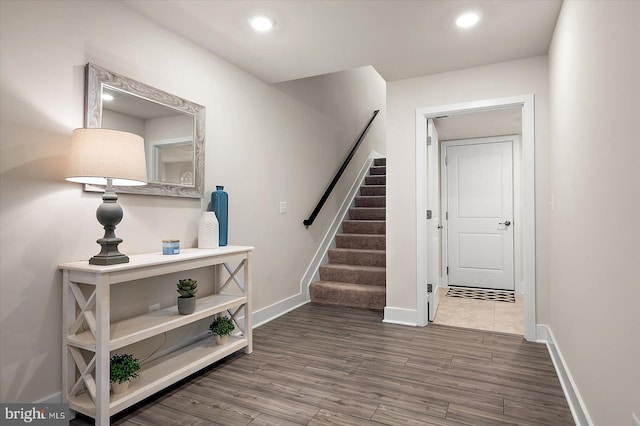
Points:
(323, 365)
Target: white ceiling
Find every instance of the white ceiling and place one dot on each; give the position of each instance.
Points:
(399, 38)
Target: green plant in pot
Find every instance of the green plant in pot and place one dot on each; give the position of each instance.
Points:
(123, 368)
(187, 299)
(222, 327)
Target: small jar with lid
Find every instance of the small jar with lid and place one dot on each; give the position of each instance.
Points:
(170, 246)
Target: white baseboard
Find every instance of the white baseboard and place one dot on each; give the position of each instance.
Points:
(271, 312)
(542, 333)
(400, 316)
(571, 393)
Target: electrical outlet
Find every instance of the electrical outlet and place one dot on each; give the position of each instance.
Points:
(154, 307)
(634, 420)
(283, 207)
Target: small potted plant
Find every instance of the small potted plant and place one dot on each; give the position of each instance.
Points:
(222, 327)
(124, 368)
(187, 299)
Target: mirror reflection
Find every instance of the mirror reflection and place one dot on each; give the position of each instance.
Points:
(173, 129)
(168, 134)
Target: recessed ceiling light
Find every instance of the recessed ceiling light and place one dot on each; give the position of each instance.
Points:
(261, 23)
(107, 97)
(467, 20)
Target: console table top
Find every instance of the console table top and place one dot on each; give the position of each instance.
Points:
(156, 258)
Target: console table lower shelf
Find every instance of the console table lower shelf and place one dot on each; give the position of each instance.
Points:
(160, 373)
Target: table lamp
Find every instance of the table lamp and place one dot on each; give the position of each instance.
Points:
(107, 157)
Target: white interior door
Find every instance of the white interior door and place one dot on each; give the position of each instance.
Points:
(480, 215)
(433, 224)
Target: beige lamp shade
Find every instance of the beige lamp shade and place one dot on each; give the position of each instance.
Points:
(101, 154)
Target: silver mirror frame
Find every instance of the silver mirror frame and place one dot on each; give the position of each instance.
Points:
(97, 77)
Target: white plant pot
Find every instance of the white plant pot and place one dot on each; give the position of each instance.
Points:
(221, 340)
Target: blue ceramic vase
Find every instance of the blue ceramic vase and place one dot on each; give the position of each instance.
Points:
(220, 205)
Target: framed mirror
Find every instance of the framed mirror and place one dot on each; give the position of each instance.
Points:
(173, 130)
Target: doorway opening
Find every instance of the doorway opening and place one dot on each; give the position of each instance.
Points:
(432, 258)
(481, 286)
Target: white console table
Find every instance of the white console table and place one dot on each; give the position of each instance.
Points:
(85, 385)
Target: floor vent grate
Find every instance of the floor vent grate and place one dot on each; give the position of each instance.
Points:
(495, 295)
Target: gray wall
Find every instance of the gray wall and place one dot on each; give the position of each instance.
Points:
(594, 301)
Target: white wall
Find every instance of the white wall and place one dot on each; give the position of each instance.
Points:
(501, 80)
(253, 134)
(347, 100)
(594, 65)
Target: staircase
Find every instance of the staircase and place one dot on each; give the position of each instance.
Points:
(356, 274)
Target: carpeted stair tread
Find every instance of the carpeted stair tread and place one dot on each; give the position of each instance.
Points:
(364, 226)
(356, 274)
(380, 162)
(346, 294)
(357, 257)
(378, 170)
(370, 201)
(370, 190)
(380, 180)
(367, 213)
(361, 241)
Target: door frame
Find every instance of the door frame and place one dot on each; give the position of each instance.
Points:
(434, 230)
(517, 207)
(526, 102)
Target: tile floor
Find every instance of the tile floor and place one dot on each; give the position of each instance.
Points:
(481, 314)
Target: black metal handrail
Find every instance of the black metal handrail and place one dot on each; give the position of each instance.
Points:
(308, 222)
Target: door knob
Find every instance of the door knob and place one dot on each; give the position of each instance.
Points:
(505, 223)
